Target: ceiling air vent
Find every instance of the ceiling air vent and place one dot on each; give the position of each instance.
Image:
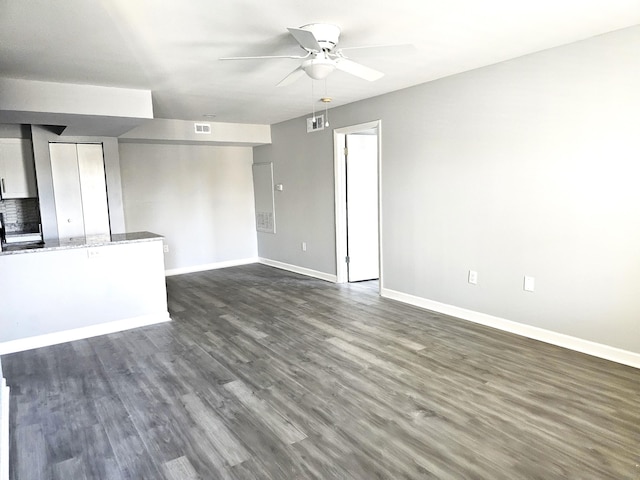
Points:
(202, 127)
(315, 123)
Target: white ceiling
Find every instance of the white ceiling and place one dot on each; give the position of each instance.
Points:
(173, 47)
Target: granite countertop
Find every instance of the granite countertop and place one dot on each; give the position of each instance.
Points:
(80, 242)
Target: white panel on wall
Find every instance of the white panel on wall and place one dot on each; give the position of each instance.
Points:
(263, 191)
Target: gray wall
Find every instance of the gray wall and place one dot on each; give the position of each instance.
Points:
(199, 197)
(304, 210)
(525, 167)
(9, 130)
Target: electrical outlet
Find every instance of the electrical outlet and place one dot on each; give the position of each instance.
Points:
(529, 283)
(473, 277)
(304, 246)
(165, 248)
(93, 253)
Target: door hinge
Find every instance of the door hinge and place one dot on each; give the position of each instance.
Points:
(346, 151)
(346, 259)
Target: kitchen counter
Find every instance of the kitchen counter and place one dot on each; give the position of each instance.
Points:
(67, 290)
(79, 242)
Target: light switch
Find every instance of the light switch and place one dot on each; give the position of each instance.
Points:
(529, 283)
(473, 277)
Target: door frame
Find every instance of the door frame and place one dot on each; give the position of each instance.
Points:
(340, 182)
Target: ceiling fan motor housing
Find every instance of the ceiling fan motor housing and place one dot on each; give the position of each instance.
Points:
(326, 34)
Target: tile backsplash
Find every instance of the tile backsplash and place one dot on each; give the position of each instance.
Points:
(21, 215)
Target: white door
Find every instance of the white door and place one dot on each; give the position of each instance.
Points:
(80, 191)
(66, 190)
(93, 188)
(362, 207)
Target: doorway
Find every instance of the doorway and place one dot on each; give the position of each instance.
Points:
(357, 184)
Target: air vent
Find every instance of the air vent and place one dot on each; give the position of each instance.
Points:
(202, 128)
(315, 123)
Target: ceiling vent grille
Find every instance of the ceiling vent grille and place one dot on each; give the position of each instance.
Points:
(202, 128)
(315, 123)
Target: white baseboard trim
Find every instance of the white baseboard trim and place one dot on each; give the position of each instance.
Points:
(600, 350)
(301, 270)
(55, 338)
(210, 266)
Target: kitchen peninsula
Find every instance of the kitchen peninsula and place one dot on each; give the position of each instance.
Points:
(66, 290)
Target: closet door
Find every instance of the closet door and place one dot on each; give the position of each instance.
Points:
(93, 189)
(79, 189)
(66, 190)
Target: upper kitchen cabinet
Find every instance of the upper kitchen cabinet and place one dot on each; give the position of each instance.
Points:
(17, 170)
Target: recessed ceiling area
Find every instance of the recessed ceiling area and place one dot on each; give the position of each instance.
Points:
(173, 48)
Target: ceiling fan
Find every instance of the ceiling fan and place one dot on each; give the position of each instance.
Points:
(319, 40)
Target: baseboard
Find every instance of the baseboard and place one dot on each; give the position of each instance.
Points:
(600, 350)
(301, 270)
(210, 266)
(55, 338)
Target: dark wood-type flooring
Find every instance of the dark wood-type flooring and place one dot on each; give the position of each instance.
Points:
(265, 374)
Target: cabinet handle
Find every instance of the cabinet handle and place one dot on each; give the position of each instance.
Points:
(4, 190)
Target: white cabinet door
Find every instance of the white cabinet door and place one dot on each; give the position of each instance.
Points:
(79, 188)
(17, 169)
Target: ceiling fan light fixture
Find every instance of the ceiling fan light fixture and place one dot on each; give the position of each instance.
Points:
(318, 68)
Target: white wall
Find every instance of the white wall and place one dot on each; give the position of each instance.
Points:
(199, 197)
(53, 296)
(4, 428)
(525, 167)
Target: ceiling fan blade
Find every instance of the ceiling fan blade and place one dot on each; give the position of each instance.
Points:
(292, 77)
(262, 57)
(305, 38)
(357, 69)
(389, 48)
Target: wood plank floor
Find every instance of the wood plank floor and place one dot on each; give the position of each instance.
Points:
(265, 374)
